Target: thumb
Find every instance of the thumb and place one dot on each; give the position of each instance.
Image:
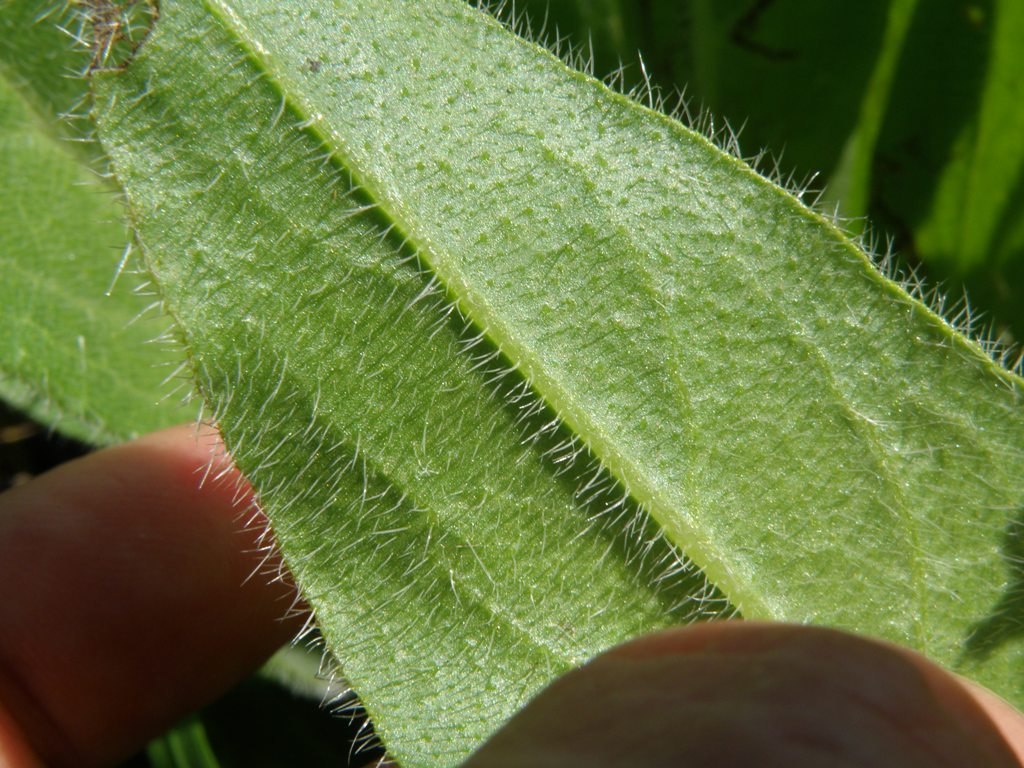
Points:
(744, 693)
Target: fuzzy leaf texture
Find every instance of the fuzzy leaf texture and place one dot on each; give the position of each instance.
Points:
(73, 350)
(497, 345)
(928, 146)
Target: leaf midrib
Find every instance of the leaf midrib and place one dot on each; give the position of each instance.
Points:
(635, 483)
(402, 228)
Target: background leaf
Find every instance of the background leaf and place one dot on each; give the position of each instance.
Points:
(419, 266)
(185, 746)
(949, 171)
(70, 353)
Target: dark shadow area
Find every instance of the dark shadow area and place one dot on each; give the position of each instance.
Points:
(615, 36)
(28, 449)
(744, 33)
(996, 293)
(1005, 621)
(792, 74)
(1005, 279)
(261, 725)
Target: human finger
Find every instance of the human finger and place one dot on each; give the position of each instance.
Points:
(125, 597)
(753, 694)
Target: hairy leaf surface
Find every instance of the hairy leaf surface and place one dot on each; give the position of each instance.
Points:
(494, 343)
(928, 146)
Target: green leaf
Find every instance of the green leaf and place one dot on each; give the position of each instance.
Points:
(950, 163)
(966, 172)
(849, 186)
(495, 343)
(69, 352)
(184, 746)
(302, 670)
(927, 145)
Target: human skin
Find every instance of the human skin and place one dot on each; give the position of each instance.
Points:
(126, 602)
(758, 694)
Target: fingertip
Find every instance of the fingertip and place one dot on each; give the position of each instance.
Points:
(745, 693)
(1005, 717)
(125, 590)
(14, 750)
